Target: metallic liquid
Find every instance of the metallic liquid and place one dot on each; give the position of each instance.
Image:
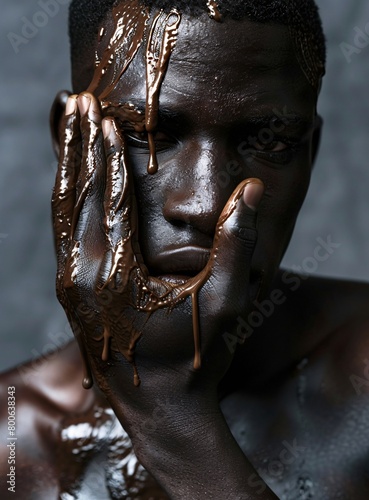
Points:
(214, 10)
(130, 24)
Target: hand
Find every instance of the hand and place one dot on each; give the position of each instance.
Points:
(123, 317)
(102, 281)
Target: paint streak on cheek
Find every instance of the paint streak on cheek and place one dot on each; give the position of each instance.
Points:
(130, 25)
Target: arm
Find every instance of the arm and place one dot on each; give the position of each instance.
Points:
(127, 322)
(194, 456)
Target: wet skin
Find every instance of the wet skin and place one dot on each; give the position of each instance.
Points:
(208, 106)
(218, 93)
(225, 83)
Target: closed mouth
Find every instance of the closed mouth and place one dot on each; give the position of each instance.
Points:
(181, 263)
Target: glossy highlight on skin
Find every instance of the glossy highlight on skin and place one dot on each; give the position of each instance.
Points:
(154, 294)
(123, 271)
(161, 43)
(64, 222)
(214, 11)
(122, 475)
(306, 326)
(130, 23)
(128, 113)
(127, 281)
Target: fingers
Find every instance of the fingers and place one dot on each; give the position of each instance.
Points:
(87, 239)
(92, 156)
(235, 238)
(120, 212)
(116, 201)
(64, 191)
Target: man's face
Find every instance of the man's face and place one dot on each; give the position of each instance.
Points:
(234, 104)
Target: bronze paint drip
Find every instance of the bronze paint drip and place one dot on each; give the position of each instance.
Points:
(214, 11)
(130, 24)
(162, 41)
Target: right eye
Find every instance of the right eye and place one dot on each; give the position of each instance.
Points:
(140, 139)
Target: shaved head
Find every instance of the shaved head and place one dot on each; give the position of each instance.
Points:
(301, 16)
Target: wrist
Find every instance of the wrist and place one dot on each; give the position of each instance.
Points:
(193, 455)
(180, 436)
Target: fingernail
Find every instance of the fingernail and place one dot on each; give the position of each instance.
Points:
(71, 106)
(253, 193)
(84, 103)
(107, 128)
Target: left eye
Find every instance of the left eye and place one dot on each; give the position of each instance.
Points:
(272, 147)
(278, 152)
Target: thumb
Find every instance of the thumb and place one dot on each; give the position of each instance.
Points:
(236, 236)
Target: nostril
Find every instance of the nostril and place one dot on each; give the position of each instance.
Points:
(180, 224)
(184, 217)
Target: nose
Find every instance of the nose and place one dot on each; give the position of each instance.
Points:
(199, 194)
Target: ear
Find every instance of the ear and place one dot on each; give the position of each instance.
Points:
(317, 133)
(56, 115)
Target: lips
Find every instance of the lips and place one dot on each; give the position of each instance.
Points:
(180, 262)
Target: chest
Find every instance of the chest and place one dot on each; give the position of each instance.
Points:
(307, 436)
(96, 460)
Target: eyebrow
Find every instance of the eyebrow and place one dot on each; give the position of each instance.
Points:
(278, 116)
(164, 114)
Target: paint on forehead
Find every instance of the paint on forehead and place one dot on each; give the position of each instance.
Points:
(130, 21)
(161, 43)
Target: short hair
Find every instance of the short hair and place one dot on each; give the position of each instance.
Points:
(301, 16)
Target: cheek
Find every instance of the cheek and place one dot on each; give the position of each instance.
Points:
(150, 189)
(285, 187)
(284, 195)
(150, 198)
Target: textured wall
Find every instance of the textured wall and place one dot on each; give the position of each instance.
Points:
(337, 204)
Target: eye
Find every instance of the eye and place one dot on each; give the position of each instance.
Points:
(140, 140)
(278, 151)
(272, 147)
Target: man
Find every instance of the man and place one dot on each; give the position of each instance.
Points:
(185, 155)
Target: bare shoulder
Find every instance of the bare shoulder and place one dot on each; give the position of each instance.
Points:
(346, 349)
(318, 307)
(340, 310)
(54, 380)
(39, 394)
(299, 316)
(306, 381)
(329, 297)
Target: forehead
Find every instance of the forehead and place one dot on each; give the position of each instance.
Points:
(228, 64)
(236, 51)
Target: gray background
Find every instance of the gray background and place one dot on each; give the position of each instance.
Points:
(32, 322)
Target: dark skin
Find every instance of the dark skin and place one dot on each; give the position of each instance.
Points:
(254, 387)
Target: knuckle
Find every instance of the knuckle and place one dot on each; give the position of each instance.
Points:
(110, 150)
(247, 235)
